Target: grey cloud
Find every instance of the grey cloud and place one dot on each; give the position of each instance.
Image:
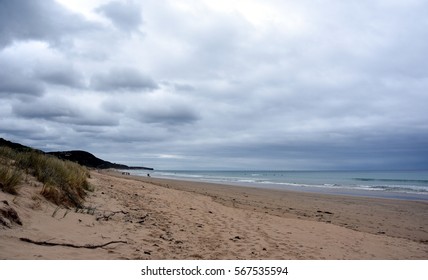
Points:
(65, 76)
(165, 109)
(35, 134)
(19, 129)
(136, 134)
(17, 82)
(123, 79)
(204, 44)
(44, 109)
(97, 119)
(60, 110)
(125, 15)
(114, 105)
(313, 153)
(32, 82)
(183, 87)
(174, 115)
(304, 86)
(38, 20)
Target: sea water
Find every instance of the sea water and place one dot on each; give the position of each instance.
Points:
(388, 184)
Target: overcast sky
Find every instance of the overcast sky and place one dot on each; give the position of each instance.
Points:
(199, 84)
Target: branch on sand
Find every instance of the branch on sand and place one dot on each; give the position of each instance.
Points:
(106, 217)
(87, 246)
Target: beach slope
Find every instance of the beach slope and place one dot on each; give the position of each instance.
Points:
(146, 218)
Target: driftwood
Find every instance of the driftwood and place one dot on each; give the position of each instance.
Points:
(87, 246)
(106, 217)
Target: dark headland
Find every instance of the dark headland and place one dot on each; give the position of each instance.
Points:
(81, 157)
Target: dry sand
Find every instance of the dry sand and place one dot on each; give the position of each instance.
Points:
(147, 218)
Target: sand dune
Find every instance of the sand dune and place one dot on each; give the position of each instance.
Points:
(145, 218)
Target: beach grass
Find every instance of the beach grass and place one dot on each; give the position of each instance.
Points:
(64, 182)
(10, 176)
(9, 179)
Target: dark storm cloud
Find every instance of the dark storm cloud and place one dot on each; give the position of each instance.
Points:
(125, 15)
(123, 79)
(37, 20)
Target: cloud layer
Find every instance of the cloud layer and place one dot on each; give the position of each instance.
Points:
(213, 84)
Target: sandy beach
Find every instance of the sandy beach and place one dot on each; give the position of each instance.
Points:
(129, 217)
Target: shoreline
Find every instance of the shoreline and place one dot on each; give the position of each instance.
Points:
(330, 187)
(315, 190)
(134, 217)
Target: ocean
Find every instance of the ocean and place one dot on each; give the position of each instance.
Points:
(387, 184)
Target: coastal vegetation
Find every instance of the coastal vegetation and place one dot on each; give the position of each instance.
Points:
(9, 179)
(64, 182)
(63, 174)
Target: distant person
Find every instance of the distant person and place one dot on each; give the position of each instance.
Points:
(148, 174)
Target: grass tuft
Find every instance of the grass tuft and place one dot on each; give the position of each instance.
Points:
(9, 179)
(64, 182)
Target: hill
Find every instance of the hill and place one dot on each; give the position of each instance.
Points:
(17, 147)
(89, 160)
(86, 159)
(81, 157)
